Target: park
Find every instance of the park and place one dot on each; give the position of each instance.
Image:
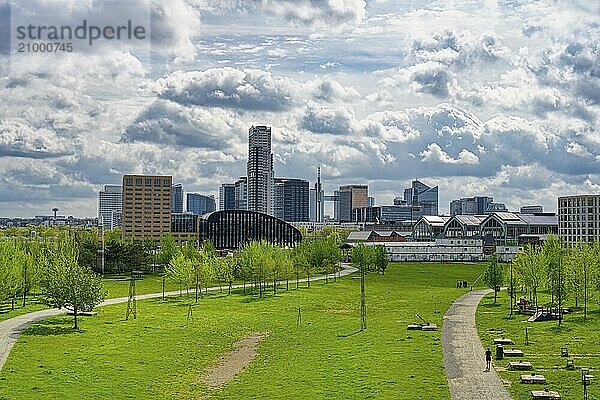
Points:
(288, 323)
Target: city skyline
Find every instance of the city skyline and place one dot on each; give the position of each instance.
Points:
(488, 98)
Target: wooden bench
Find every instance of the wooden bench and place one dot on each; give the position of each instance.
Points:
(503, 341)
(520, 366)
(533, 379)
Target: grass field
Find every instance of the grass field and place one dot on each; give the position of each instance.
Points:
(115, 286)
(544, 352)
(161, 354)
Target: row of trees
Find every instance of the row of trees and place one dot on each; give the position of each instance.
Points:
(54, 267)
(257, 264)
(562, 272)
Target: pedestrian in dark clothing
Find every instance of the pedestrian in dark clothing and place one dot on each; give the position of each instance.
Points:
(488, 359)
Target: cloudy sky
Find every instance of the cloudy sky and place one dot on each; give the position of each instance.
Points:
(490, 97)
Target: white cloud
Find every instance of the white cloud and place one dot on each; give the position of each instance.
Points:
(434, 153)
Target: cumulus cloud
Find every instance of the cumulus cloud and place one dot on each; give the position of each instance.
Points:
(18, 139)
(434, 153)
(169, 123)
(327, 120)
(249, 89)
(317, 12)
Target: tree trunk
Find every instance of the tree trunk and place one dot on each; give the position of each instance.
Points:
(75, 317)
(297, 279)
(13, 303)
(308, 279)
(495, 295)
(196, 288)
(274, 286)
(287, 284)
(229, 288)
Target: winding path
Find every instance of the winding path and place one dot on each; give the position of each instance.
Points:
(11, 328)
(464, 356)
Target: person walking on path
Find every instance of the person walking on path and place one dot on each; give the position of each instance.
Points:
(488, 359)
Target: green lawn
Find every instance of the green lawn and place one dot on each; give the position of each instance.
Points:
(115, 286)
(580, 336)
(161, 354)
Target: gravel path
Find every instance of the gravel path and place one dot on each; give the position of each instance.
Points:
(11, 328)
(464, 356)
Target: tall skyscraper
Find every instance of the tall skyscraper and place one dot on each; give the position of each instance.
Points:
(349, 198)
(147, 206)
(241, 194)
(260, 169)
(199, 204)
(290, 199)
(426, 197)
(110, 206)
(227, 196)
(177, 198)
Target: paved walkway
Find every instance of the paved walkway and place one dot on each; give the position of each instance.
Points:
(464, 356)
(11, 328)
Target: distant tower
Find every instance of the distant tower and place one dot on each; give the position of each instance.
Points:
(55, 210)
(319, 199)
(260, 169)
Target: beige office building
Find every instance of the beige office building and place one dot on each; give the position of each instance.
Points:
(146, 206)
(579, 218)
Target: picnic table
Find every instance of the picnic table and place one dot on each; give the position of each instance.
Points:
(544, 394)
(503, 341)
(533, 379)
(520, 366)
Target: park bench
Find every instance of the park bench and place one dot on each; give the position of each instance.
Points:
(513, 353)
(520, 366)
(564, 352)
(532, 379)
(544, 394)
(570, 364)
(503, 341)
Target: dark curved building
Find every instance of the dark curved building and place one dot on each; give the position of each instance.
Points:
(232, 229)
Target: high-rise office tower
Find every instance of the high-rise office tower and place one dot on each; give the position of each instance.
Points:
(290, 199)
(470, 205)
(147, 206)
(177, 198)
(350, 197)
(110, 206)
(260, 169)
(227, 196)
(426, 197)
(199, 204)
(241, 194)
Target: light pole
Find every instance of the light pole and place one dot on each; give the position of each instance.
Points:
(102, 249)
(511, 289)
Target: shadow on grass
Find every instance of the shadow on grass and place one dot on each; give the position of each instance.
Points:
(350, 334)
(53, 327)
(490, 305)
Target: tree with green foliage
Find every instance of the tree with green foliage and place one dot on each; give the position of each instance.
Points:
(552, 263)
(381, 258)
(180, 271)
(528, 268)
(68, 284)
(168, 249)
(493, 276)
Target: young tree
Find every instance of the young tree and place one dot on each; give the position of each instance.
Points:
(168, 249)
(180, 271)
(68, 284)
(381, 259)
(493, 276)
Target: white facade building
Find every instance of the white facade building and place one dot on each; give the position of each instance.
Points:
(110, 206)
